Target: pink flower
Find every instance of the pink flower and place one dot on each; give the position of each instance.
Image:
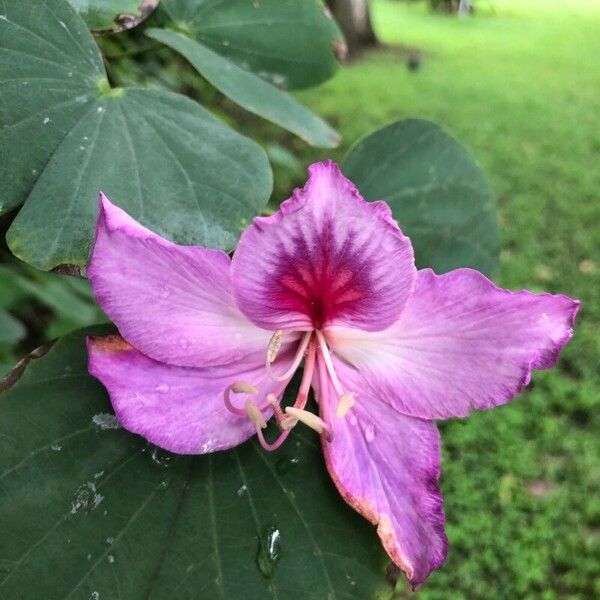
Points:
(210, 343)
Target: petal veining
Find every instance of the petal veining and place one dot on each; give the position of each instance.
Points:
(172, 302)
(460, 344)
(386, 465)
(180, 409)
(326, 257)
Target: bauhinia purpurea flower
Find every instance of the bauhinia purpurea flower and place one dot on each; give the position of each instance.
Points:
(209, 344)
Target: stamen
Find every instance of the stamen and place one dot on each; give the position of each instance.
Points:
(346, 399)
(324, 407)
(276, 444)
(284, 421)
(238, 387)
(241, 387)
(329, 364)
(310, 419)
(309, 367)
(345, 403)
(274, 345)
(255, 415)
(259, 423)
(273, 349)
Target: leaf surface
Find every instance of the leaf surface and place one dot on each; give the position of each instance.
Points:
(292, 43)
(438, 193)
(88, 510)
(66, 136)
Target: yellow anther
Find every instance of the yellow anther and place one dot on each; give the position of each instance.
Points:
(346, 402)
(241, 387)
(255, 415)
(274, 345)
(309, 419)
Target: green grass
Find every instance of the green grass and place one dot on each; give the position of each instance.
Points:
(520, 85)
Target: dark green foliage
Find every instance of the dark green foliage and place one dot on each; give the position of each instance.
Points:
(436, 191)
(160, 156)
(86, 507)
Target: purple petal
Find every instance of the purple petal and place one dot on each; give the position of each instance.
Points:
(386, 466)
(172, 302)
(177, 408)
(326, 257)
(461, 344)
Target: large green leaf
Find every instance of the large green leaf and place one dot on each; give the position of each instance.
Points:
(437, 191)
(11, 329)
(249, 91)
(66, 135)
(113, 15)
(292, 43)
(88, 510)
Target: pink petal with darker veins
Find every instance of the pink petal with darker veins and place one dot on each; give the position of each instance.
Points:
(177, 408)
(460, 344)
(172, 302)
(386, 465)
(326, 257)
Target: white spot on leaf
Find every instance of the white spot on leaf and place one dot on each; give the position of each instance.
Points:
(105, 421)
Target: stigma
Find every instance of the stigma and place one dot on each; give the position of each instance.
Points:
(318, 368)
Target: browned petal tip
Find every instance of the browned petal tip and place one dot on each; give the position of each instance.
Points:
(110, 343)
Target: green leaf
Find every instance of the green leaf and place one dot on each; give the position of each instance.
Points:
(249, 91)
(291, 43)
(103, 16)
(160, 156)
(11, 329)
(71, 300)
(438, 193)
(10, 284)
(88, 510)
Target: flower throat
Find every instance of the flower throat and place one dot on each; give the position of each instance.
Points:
(315, 353)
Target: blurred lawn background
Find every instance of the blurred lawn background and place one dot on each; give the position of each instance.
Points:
(519, 84)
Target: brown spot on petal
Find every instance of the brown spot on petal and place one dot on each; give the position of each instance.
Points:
(111, 343)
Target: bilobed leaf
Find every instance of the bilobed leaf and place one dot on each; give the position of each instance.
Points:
(291, 43)
(249, 91)
(438, 193)
(88, 510)
(66, 135)
(103, 16)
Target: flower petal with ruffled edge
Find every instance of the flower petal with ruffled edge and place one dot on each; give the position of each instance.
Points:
(386, 465)
(460, 344)
(177, 408)
(172, 302)
(326, 257)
